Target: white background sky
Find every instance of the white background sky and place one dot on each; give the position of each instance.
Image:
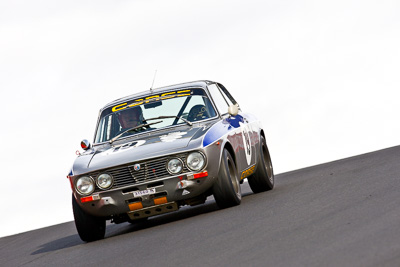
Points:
(322, 76)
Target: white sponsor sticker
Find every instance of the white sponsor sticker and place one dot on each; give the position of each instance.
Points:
(123, 147)
(172, 136)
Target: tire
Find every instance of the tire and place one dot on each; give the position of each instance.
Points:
(226, 190)
(263, 179)
(89, 227)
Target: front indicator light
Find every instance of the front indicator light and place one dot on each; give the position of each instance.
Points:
(86, 199)
(160, 200)
(135, 206)
(200, 175)
(90, 198)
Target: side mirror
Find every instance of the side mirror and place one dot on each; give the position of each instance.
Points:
(85, 144)
(233, 110)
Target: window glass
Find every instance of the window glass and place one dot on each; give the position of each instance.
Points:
(219, 100)
(228, 97)
(105, 128)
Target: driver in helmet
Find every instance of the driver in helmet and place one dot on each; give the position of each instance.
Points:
(130, 118)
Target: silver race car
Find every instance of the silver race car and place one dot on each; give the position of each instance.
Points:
(158, 150)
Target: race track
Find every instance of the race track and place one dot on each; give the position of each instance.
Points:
(343, 213)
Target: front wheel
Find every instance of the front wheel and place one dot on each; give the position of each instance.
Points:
(226, 189)
(89, 227)
(263, 179)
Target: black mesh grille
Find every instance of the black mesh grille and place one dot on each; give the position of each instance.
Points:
(125, 175)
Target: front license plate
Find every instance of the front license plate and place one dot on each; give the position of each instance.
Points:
(144, 192)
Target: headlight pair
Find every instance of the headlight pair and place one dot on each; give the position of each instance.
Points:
(86, 185)
(195, 162)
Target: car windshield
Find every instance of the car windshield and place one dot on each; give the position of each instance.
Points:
(174, 108)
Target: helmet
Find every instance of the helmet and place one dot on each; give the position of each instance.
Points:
(132, 117)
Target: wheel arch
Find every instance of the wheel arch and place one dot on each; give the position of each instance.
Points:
(262, 133)
(229, 147)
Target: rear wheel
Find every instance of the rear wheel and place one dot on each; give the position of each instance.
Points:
(226, 189)
(89, 227)
(263, 179)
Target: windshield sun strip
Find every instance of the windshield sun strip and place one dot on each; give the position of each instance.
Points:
(152, 98)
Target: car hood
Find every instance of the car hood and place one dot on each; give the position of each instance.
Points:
(134, 149)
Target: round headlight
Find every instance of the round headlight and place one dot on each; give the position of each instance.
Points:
(175, 166)
(85, 185)
(195, 161)
(104, 181)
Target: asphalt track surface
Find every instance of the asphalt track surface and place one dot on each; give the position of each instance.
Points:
(342, 213)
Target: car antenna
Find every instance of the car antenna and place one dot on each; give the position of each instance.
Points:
(151, 88)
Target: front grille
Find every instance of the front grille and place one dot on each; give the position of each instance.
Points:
(125, 175)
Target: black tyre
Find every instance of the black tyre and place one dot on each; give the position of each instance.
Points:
(263, 179)
(226, 189)
(90, 228)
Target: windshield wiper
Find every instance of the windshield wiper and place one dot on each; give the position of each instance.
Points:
(132, 129)
(168, 117)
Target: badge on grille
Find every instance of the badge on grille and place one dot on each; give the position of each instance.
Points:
(136, 167)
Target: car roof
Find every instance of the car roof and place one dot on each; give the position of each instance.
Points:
(202, 84)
